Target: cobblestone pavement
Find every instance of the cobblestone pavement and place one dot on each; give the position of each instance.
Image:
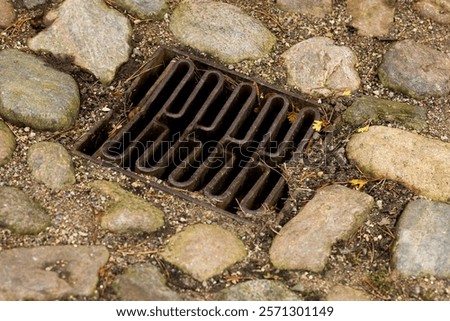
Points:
(370, 217)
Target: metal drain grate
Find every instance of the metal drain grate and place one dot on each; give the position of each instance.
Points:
(201, 128)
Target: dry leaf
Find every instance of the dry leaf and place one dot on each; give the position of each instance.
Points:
(317, 125)
(292, 116)
(270, 276)
(133, 113)
(384, 221)
(358, 183)
(347, 92)
(363, 129)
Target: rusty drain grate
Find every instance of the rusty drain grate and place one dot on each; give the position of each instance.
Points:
(199, 127)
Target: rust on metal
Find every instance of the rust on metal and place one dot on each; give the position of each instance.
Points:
(202, 128)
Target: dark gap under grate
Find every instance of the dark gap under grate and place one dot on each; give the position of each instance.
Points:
(201, 128)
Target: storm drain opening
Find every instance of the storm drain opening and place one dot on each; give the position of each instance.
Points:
(197, 127)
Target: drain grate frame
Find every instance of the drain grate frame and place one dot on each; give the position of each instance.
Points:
(196, 128)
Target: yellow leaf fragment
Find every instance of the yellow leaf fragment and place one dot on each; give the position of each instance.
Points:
(292, 116)
(317, 125)
(358, 183)
(270, 276)
(363, 129)
(347, 92)
(233, 278)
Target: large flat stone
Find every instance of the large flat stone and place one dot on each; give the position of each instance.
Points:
(31, 4)
(35, 95)
(204, 251)
(437, 10)
(317, 8)
(127, 212)
(95, 35)
(7, 143)
(144, 9)
(221, 30)
(257, 290)
(416, 70)
(143, 283)
(423, 240)
(318, 67)
(51, 164)
(374, 109)
(21, 214)
(419, 163)
(371, 17)
(50, 272)
(346, 293)
(305, 242)
(7, 13)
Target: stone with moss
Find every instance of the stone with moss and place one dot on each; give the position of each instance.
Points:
(416, 70)
(372, 109)
(35, 95)
(126, 212)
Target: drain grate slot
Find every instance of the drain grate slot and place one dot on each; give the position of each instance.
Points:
(201, 128)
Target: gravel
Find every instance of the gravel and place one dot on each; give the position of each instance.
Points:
(362, 262)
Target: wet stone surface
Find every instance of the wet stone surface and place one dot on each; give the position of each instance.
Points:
(35, 95)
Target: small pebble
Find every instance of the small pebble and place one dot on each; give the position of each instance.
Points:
(380, 204)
